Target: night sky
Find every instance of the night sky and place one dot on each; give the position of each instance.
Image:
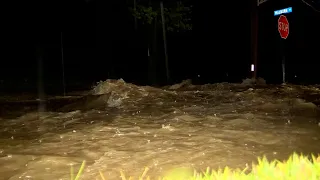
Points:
(99, 42)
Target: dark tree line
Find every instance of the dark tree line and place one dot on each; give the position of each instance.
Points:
(148, 17)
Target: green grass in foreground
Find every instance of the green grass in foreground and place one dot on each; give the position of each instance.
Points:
(297, 167)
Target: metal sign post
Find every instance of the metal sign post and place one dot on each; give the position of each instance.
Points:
(283, 29)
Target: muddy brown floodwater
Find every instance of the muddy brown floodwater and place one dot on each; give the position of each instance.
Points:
(122, 126)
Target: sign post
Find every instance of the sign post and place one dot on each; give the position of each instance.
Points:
(283, 29)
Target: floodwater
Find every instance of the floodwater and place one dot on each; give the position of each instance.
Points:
(120, 126)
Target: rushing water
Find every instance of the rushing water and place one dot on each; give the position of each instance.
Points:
(123, 126)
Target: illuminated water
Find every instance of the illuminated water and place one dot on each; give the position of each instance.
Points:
(129, 127)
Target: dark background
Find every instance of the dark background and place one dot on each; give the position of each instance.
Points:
(100, 42)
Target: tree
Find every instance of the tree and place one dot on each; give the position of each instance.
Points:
(177, 18)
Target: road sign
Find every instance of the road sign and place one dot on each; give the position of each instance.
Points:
(283, 27)
(283, 11)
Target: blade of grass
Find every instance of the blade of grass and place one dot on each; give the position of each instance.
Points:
(80, 170)
(101, 175)
(71, 172)
(146, 169)
(123, 177)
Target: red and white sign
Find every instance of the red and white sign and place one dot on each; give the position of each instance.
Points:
(283, 26)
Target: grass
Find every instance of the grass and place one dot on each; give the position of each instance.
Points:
(297, 167)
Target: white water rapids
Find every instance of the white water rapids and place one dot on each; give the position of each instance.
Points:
(128, 127)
